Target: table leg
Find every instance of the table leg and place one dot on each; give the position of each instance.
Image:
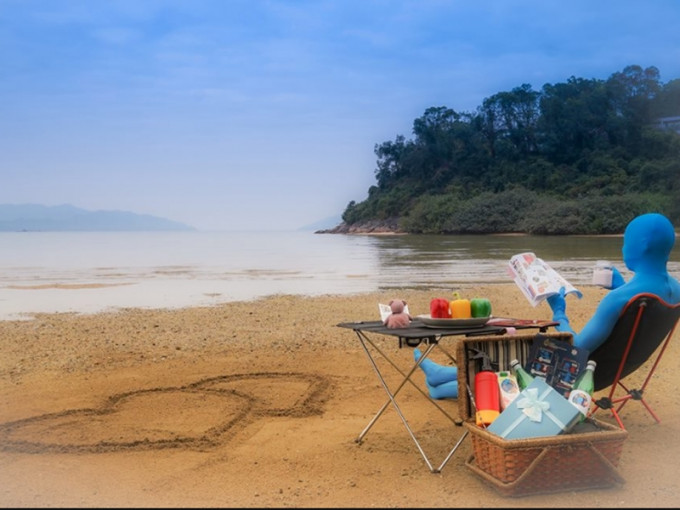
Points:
(446, 460)
(391, 397)
(363, 338)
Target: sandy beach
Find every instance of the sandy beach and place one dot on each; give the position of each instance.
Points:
(258, 404)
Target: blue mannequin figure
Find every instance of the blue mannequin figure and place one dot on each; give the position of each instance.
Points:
(647, 244)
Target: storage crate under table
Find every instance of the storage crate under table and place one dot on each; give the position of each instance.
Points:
(575, 461)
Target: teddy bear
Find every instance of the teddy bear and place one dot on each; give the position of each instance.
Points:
(398, 318)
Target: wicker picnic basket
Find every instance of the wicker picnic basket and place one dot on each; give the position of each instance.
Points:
(522, 467)
(575, 461)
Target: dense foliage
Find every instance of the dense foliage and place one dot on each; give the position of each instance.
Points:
(581, 157)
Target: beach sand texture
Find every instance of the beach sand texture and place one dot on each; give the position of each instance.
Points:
(258, 404)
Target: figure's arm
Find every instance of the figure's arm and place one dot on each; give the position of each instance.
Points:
(559, 308)
(600, 325)
(617, 279)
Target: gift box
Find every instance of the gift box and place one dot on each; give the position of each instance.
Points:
(538, 411)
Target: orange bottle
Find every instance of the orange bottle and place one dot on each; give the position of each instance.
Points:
(487, 392)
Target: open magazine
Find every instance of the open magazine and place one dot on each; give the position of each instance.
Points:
(536, 279)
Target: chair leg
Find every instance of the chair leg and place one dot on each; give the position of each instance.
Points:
(607, 403)
(637, 395)
(617, 418)
(644, 403)
(610, 403)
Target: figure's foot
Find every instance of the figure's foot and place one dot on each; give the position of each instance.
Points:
(445, 390)
(435, 373)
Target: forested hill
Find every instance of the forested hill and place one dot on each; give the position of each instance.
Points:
(581, 157)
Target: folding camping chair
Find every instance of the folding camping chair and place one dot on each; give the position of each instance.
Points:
(645, 323)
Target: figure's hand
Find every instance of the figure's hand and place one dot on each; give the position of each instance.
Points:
(558, 304)
(617, 279)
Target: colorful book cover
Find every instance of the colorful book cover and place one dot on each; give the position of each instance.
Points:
(557, 362)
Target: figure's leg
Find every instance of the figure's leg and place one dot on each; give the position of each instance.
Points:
(435, 373)
(444, 390)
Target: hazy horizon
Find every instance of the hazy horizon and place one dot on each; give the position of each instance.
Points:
(265, 114)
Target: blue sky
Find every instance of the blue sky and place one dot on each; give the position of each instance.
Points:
(231, 115)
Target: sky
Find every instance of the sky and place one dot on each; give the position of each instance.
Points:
(264, 114)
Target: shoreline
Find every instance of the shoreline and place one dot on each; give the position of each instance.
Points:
(27, 301)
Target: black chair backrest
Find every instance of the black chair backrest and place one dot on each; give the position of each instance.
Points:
(658, 319)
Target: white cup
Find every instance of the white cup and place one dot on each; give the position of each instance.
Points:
(602, 274)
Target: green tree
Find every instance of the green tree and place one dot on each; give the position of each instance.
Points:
(576, 157)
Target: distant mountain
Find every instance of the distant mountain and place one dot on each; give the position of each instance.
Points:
(41, 218)
(325, 223)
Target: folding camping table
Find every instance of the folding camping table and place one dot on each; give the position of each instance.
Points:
(413, 336)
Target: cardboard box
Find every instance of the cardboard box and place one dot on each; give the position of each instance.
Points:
(538, 411)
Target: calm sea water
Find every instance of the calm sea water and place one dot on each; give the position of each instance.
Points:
(94, 271)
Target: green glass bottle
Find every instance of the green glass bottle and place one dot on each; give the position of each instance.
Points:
(523, 377)
(581, 394)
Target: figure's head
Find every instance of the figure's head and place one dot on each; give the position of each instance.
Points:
(397, 305)
(648, 241)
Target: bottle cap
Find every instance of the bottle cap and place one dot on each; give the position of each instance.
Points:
(514, 362)
(592, 363)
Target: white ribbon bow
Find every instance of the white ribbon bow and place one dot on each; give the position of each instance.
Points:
(531, 406)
